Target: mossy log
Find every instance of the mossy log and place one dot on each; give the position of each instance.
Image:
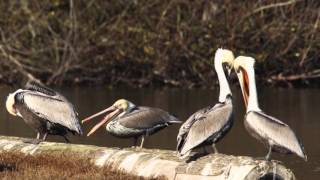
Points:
(154, 162)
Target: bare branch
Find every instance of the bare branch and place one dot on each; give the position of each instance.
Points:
(19, 66)
(309, 75)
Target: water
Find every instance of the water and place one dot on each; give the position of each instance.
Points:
(298, 108)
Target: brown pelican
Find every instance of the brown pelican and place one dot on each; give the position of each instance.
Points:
(209, 125)
(127, 120)
(275, 134)
(45, 110)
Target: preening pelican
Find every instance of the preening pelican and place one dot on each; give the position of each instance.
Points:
(126, 120)
(209, 125)
(45, 110)
(275, 134)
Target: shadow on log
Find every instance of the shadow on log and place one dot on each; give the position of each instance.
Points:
(153, 163)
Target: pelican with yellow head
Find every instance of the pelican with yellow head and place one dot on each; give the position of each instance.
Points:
(126, 120)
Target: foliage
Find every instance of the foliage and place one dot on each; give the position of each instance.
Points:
(156, 43)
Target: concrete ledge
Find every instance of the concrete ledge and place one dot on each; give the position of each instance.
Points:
(155, 162)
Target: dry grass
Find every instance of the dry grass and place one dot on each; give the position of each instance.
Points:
(20, 166)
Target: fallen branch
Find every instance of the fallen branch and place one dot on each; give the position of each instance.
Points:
(310, 75)
(155, 163)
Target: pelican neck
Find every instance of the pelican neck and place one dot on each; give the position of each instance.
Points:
(223, 83)
(253, 104)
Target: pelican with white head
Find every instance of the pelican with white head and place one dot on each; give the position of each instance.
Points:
(277, 135)
(209, 125)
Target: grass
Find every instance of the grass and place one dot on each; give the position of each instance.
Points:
(46, 166)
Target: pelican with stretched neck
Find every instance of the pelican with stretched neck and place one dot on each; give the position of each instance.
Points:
(209, 125)
(275, 134)
(126, 120)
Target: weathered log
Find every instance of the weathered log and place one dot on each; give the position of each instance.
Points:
(155, 162)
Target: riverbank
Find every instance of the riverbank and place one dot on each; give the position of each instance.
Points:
(156, 44)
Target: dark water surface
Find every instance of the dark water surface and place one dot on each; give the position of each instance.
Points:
(300, 109)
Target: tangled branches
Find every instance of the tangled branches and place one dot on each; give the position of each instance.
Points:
(156, 43)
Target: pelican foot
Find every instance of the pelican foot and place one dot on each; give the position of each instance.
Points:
(32, 141)
(138, 147)
(195, 155)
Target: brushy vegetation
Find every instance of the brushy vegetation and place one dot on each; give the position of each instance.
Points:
(156, 43)
(21, 166)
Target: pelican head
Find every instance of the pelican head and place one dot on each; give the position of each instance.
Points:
(118, 109)
(244, 62)
(10, 103)
(224, 56)
(123, 104)
(242, 65)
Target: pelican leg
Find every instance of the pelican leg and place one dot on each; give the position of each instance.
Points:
(142, 141)
(268, 156)
(66, 139)
(204, 150)
(44, 136)
(38, 135)
(135, 141)
(33, 141)
(215, 148)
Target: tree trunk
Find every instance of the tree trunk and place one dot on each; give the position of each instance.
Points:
(156, 162)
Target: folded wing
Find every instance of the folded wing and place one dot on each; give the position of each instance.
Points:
(147, 117)
(53, 109)
(202, 125)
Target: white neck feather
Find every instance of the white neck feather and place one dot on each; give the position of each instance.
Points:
(223, 83)
(253, 104)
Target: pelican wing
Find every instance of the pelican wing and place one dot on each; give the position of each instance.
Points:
(54, 110)
(146, 117)
(185, 128)
(35, 87)
(279, 133)
(32, 86)
(202, 125)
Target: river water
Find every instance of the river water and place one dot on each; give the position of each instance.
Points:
(298, 108)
